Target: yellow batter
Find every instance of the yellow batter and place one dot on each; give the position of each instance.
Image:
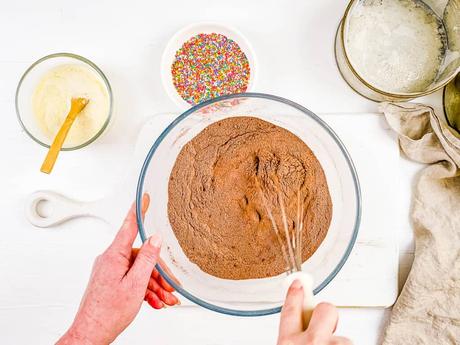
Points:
(51, 102)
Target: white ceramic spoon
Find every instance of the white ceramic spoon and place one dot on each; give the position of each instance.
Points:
(60, 209)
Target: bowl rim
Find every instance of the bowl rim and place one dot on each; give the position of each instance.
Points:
(91, 65)
(357, 188)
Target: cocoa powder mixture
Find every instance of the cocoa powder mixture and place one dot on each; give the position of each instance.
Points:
(215, 205)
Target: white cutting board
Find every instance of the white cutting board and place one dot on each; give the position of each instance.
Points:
(370, 276)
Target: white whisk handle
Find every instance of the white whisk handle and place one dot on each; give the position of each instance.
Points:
(308, 299)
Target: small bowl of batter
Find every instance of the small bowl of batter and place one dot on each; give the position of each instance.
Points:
(43, 99)
(219, 175)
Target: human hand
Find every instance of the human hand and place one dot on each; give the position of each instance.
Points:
(321, 328)
(121, 279)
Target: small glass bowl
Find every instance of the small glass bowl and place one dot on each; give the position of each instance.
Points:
(29, 81)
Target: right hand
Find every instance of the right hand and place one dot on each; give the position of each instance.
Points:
(321, 328)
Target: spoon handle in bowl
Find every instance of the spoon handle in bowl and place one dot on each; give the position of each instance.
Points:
(76, 107)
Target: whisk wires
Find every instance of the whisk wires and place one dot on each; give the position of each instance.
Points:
(291, 246)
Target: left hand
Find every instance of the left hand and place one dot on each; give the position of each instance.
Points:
(121, 279)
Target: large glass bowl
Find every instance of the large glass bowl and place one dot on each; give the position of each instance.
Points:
(250, 297)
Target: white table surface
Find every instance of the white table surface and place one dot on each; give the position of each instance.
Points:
(293, 41)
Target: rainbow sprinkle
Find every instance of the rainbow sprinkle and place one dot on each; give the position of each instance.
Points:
(209, 65)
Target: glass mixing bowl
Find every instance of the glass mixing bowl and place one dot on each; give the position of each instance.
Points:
(250, 297)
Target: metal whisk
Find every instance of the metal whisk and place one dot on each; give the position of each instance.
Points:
(291, 247)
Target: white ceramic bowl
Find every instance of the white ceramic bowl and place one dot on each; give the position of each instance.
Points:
(183, 35)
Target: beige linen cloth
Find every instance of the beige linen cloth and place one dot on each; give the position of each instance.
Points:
(428, 309)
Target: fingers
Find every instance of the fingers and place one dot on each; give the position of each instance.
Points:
(169, 273)
(291, 314)
(155, 274)
(162, 281)
(165, 296)
(323, 320)
(145, 261)
(125, 237)
(153, 300)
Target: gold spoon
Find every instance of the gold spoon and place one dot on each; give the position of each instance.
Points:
(76, 106)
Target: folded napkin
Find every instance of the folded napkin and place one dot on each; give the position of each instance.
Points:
(428, 308)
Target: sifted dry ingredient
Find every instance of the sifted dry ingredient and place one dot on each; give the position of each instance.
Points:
(396, 45)
(215, 205)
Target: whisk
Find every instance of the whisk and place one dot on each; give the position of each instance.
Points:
(291, 246)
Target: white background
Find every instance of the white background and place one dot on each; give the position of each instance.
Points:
(293, 42)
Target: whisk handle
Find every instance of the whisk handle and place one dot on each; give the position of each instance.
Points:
(308, 299)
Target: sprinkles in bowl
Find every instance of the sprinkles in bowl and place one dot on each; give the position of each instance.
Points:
(208, 66)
